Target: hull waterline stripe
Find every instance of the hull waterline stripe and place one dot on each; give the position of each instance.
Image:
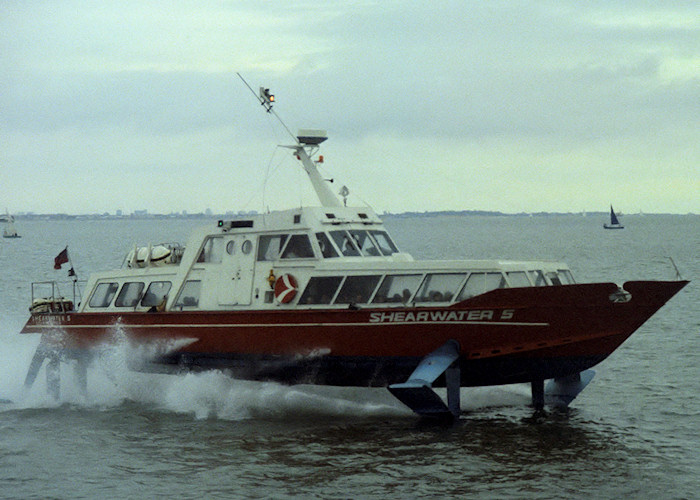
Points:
(287, 325)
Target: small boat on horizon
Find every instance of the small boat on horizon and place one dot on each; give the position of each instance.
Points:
(10, 231)
(614, 222)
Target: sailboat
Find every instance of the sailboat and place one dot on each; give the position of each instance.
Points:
(10, 231)
(614, 223)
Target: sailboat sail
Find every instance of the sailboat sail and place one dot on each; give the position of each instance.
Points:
(614, 222)
(613, 217)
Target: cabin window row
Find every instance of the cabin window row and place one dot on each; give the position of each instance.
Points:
(348, 243)
(411, 288)
(131, 294)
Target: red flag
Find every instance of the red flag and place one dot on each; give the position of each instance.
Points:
(61, 259)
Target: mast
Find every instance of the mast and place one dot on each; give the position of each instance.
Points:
(307, 144)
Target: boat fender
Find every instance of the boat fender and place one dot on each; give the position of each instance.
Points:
(285, 288)
(271, 279)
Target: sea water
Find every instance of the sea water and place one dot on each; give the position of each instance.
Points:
(633, 433)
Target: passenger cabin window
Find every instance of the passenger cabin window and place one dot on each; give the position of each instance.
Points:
(566, 277)
(397, 288)
(479, 283)
(189, 296)
(212, 251)
(320, 290)
(270, 246)
(345, 243)
(518, 279)
(298, 247)
(103, 294)
(537, 277)
(439, 287)
(554, 278)
(365, 243)
(326, 246)
(386, 246)
(129, 295)
(157, 291)
(357, 289)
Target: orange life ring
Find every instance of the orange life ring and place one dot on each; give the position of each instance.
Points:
(285, 288)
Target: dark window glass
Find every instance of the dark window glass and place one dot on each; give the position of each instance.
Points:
(103, 294)
(320, 290)
(299, 247)
(439, 287)
(157, 291)
(326, 246)
(386, 246)
(270, 246)
(357, 289)
(345, 243)
(397, 288)
(365, 243)
(129, 295)
(189, 297)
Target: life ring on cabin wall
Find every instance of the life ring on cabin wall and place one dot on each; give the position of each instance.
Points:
(285, 288)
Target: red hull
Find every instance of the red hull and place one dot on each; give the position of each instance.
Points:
(573, 322)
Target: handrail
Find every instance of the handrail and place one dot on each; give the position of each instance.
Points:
(54, 297)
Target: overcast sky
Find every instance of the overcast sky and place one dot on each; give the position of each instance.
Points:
(449, 105)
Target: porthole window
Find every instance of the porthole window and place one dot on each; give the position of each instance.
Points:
(230, 247)
(246, 247)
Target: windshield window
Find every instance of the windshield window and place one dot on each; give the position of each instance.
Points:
(386, 246)
(345, 243)
(365, 243)
(326, 246)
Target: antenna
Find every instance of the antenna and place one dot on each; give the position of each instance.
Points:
(306, 143)
(266, 99)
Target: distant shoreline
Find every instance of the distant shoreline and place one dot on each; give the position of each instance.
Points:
(411, 214)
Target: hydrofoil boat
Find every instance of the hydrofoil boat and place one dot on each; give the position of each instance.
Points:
(324, 295)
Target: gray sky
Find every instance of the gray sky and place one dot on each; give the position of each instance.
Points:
(451, 105)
